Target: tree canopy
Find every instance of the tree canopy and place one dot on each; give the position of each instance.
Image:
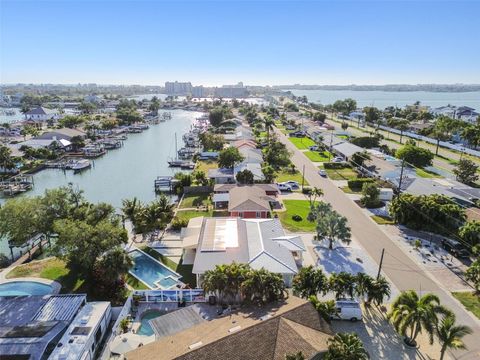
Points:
(414, 155)
(229, 157)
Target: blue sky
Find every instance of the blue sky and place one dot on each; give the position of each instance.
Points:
(257, 42)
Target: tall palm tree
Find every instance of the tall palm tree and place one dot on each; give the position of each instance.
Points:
(309, 282)
(377, 292)
(268, 124)
(333, 227)
(131, 210)
(342, 284)
(411, 314)
(326, 309)
(313, 195)
(363, 284)
(344, 346)
(450, 335)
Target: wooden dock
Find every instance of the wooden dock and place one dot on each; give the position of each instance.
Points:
(16, 185)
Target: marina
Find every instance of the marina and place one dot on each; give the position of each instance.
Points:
(122, 174)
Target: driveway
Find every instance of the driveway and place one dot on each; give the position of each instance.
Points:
(405, 273)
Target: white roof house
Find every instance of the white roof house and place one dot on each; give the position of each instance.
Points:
(254, 168)
(42, 114)
(261, 243)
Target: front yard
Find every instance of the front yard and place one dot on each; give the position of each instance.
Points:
(341, 174)
(296, 207)
(286, 175)
(302, 143)
(316, 156)
(206, 165)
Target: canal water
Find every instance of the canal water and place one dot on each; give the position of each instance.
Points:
(126, 172)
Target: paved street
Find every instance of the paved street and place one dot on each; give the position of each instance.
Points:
(398, 266)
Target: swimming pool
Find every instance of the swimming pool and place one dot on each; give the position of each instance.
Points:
(150, 271)
(145, 328)
(22, 288)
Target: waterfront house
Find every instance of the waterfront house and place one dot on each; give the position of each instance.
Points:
(244, 143)
(267, 333)
(254, 168)
(270, 189)
(52, 326)
(62, 134)
(251, 155)
(41, 114)
(221, 176)
(247, 201)
(261, 243)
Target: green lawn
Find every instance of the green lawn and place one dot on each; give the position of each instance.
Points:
(189, 214)
(302, 143)
(205, 166)
(470, 301)
(341, 174)
(426, 173)
(382, 220)
(194, 200)
(348, 190)
(52, 269)
(286, 175)
(316, 156)
(296, 207)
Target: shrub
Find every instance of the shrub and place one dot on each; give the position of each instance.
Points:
(178, 224)
(4, 261)
(297, 217)
(357, 184)
(306, 190)
(367, 142)
(335, 166)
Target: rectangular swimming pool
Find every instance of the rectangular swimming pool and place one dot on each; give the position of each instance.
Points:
(152, 272)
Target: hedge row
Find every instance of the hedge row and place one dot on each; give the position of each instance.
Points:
(358, 183)
(335, 166)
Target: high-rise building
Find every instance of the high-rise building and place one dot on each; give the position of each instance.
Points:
(232, 91)
(178, 88)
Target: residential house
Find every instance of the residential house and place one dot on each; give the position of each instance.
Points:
(221, 176)
(261, 243)
(64, 133)
(40, 114)
(251, 155)
(267, 333)
(244, 143)
(247, 201)
(254, 168)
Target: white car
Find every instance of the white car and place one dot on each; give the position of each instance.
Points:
(322, 173)
(293, 184)
(348, 309)
(338, 159)
(284, 187)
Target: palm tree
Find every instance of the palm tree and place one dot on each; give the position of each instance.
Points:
(342, 284)
(450, 335)
(200, 177)
(262, 287)
(131, 210)
(411, 315)
(268, 124)
(6, 160)
(363, 284)
(309, 282)
(344, 346)
(313, 195)
(215, 281)
(326, 309)
(378, 291)
(333, 227)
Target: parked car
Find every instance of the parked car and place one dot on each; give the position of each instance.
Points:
(338, 159)
(348, 309)
(284, 187)
(455, 248)
(314, 148)
(322, 173)
(297, 134)
(293, 184)
(290, 127)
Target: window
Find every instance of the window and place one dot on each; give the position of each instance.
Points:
(258, 214)
(98, 334)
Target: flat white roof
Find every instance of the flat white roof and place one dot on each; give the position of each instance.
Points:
(82, 328)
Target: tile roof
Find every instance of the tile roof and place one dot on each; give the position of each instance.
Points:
(248, 198)
(299, 328)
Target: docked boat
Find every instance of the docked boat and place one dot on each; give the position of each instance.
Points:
(80, 165)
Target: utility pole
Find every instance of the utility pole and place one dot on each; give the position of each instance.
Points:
(330, 150)
(381, 263)
(401, 178)
(303, 176)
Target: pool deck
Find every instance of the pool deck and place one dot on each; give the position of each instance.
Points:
(56, 287)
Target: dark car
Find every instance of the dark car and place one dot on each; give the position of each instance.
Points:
(455, 248)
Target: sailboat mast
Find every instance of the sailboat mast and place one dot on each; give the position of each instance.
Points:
(176, 150)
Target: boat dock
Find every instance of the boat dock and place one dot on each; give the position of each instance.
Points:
(164, 183)
(16, 185)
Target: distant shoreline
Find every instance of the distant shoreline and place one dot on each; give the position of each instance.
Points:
(460, 88)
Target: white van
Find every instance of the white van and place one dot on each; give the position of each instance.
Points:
(348, 309)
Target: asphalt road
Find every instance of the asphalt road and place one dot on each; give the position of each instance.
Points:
(397, 266)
